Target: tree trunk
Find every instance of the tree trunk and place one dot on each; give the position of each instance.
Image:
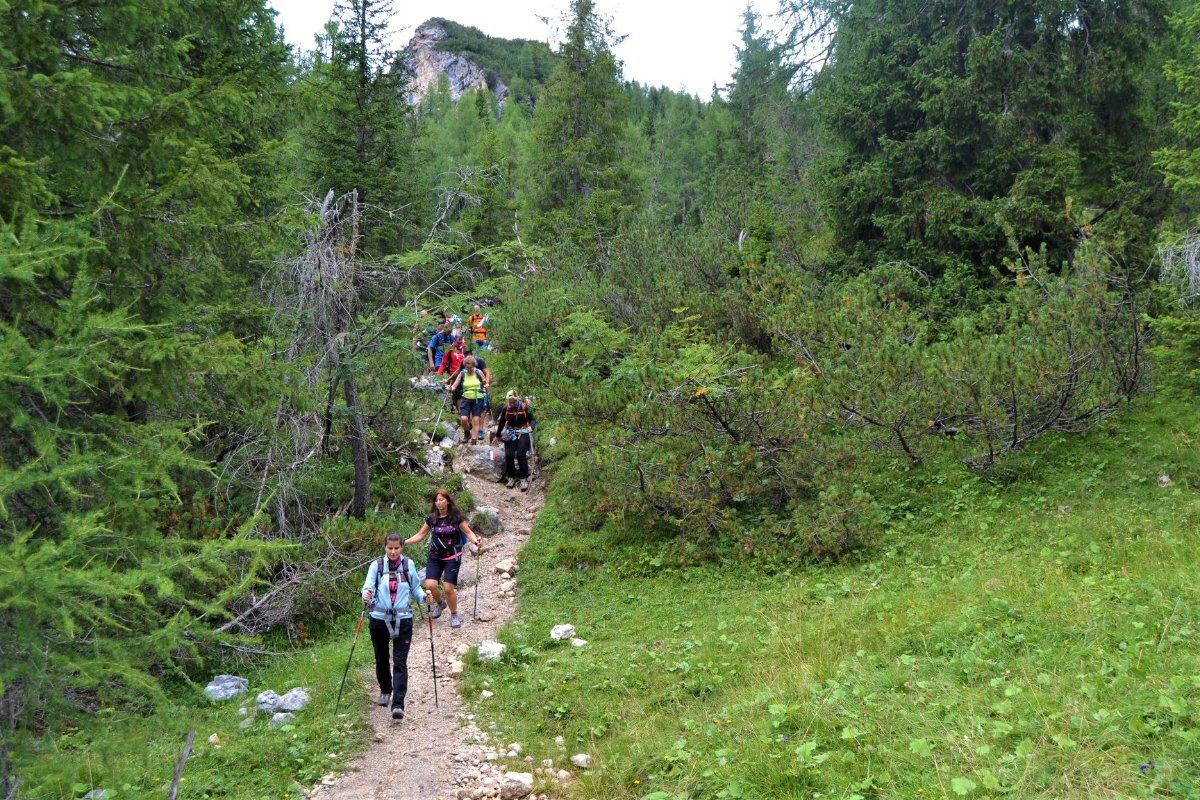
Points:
(358, 448)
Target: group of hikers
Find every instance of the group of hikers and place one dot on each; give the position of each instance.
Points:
(448, 353)
(392, 582)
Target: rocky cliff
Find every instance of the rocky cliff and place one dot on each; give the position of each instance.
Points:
(425, 63)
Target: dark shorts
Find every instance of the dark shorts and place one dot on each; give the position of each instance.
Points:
(444, 568)
(471, 408)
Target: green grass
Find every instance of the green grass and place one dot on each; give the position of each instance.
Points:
(1037, 639)
(133, 755)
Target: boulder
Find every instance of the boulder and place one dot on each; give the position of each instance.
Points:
(281, 719)
(483, 462)
(485, 521)
(267, 701)
(428, 383)
(224, 687)
(489, 651)
(295, 700)
(515, 785)
(581, 760)
(435, 460)
(560, 633)
(505, 565)
(576, 642)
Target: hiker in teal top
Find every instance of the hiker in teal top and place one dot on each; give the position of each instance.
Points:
(392, 585)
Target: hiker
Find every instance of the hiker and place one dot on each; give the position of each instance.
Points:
(391, 586)
(436, 348)
(450, 534)
(453, 357)
(470, 385)
(476, 325)
(514, 426)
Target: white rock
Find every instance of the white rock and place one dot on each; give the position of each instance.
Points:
(247, 722)
(560, 741)
(563, 775)
(281, 719)
(223, 687)
(485, 521)
(456, 668)
(547, 762)
(295, 700)
(515, 785)
(515, 746)
(435, 460)
(489, 651)
(1164, 481)
(214, 739)
(485, 694)
(560, 633)
(505, 565)
(508, 585)
(243, 711)
(578, 642)
(581, 760)
(462, 650)
(268, 701)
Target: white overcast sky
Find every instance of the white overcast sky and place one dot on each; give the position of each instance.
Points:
(680, 44)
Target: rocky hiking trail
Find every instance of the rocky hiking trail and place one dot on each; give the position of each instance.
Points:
(442, 753)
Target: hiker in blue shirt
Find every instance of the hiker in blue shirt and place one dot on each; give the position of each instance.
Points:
(437, 345)
(391, 586)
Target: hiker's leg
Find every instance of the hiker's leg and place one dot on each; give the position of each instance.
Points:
(400, 646)
(431, 589)
(379, 643)
(510, 454)
(450, 583)
(522, 455)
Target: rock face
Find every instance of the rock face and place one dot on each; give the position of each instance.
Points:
(223, 687)
(425, 65)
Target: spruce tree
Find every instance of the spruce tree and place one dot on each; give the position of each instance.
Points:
(582, 181)
(959, 129)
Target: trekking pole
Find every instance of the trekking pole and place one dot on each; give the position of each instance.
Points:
(357, 631)
(432, 657)
(433, 435)
(478, 578)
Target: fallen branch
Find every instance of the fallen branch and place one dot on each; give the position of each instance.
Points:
(183, 757)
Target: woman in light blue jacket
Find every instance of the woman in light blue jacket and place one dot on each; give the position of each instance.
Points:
(391, 586)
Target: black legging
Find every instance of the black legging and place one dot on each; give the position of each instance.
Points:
(392, 681)
(517, 451)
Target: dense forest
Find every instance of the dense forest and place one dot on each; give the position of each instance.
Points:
(903, 234)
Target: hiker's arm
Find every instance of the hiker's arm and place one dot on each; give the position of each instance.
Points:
(414, 583)
(367, 590)
(457, 378)
(472, 535)
(418, 536)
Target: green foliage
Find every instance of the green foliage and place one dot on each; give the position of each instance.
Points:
(957, 126)
(1029, 639)
(583, 182)
(1180, 162)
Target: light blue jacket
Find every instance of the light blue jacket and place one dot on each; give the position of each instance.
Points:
(381, 598)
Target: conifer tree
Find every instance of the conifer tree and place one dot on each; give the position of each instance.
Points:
(960, 128)
(581, 172)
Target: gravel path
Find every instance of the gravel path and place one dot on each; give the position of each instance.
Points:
(442, 754)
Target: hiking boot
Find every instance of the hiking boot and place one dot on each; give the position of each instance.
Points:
(511, 482)
(455, 620)
(384, 698)
(438, 609)
(397, 712)
(524, 485)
